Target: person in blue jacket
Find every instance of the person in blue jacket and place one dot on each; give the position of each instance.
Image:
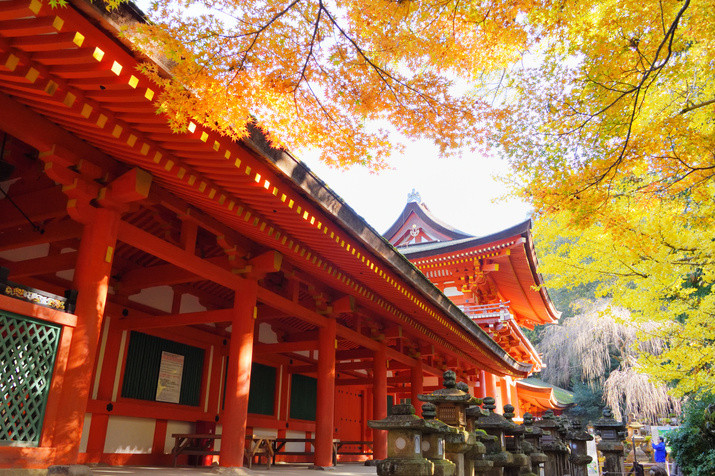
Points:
(660, 452)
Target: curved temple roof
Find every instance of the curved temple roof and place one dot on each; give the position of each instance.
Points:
(516, 275)
(418, 210)
(537, 399)
(68, 66)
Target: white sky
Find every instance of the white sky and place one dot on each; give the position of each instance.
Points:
(461, 191)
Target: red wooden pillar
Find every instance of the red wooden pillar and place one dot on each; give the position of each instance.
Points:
(515, 399)
(482, 389)
(490, 385)
(238, 377)
(506, 390)
(379, 408)
(325, 415)
(416, 386)
(91, 279)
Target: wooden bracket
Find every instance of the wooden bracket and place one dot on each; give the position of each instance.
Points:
(256, 268)
(82, 181)
(344, 304)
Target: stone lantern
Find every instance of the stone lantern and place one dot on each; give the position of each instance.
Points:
(612, 433)
(564, 451)
(513, 439)
(637, 440)
(494, 424)
(550, 443)
(532, 436)
(476, 454)
(579, 452)
(452, 403)
(404, 443)
(433, 441)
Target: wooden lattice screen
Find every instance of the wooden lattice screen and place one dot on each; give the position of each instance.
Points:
(27, 357)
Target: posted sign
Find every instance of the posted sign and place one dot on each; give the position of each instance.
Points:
(168, 388)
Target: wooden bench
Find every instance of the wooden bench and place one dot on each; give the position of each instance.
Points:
(198, 444)
(260, 446)
(363, 447)
(279, 448)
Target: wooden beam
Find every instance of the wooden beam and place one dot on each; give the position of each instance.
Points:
(193, 334)
(354, 354)
(44, 265)
(206, 298)
(142, 240)
(162, 275)
(361, 365)
(39, 206)
(225, 235)
(55, 231)
(137, 279)
(301, 358)
(173, 254)
(298, 336)
(490, 266)
(290, 308)
(368, 381)
(303, 369)
(38, 132)
(175, 320)
(68, 158)
(282, 347)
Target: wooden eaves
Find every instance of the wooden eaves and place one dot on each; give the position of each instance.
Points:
(264, 194)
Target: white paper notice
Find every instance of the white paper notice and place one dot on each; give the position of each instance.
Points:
(168, 388)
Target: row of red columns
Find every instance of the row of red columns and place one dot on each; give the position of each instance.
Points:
(92, 280)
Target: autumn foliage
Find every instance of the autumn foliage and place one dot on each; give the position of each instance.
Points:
(613, 135)
(604, 110)
(334, 75)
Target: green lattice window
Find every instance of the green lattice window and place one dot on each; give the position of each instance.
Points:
(27, 358)
(141, 372)
(303, 397)
(261, 398)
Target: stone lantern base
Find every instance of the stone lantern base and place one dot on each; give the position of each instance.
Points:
(405, 467)
(443, 467)
(481, 466)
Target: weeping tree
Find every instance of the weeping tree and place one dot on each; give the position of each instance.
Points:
(603, 348)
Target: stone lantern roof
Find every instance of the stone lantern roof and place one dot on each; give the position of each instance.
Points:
(450, 393)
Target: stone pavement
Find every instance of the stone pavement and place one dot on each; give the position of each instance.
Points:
(347, 469)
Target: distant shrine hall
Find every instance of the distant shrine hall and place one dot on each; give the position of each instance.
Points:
(155, 284)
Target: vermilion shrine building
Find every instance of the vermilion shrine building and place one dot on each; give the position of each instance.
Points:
(208, 280)
(493, 279)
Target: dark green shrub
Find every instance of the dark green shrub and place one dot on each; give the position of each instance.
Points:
(692, 446)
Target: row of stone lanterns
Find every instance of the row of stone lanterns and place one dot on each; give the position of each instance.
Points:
(458, 438)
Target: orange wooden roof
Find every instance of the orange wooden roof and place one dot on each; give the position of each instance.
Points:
(68, 66)
(417, 214)
(517, 278)
(536, 400)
